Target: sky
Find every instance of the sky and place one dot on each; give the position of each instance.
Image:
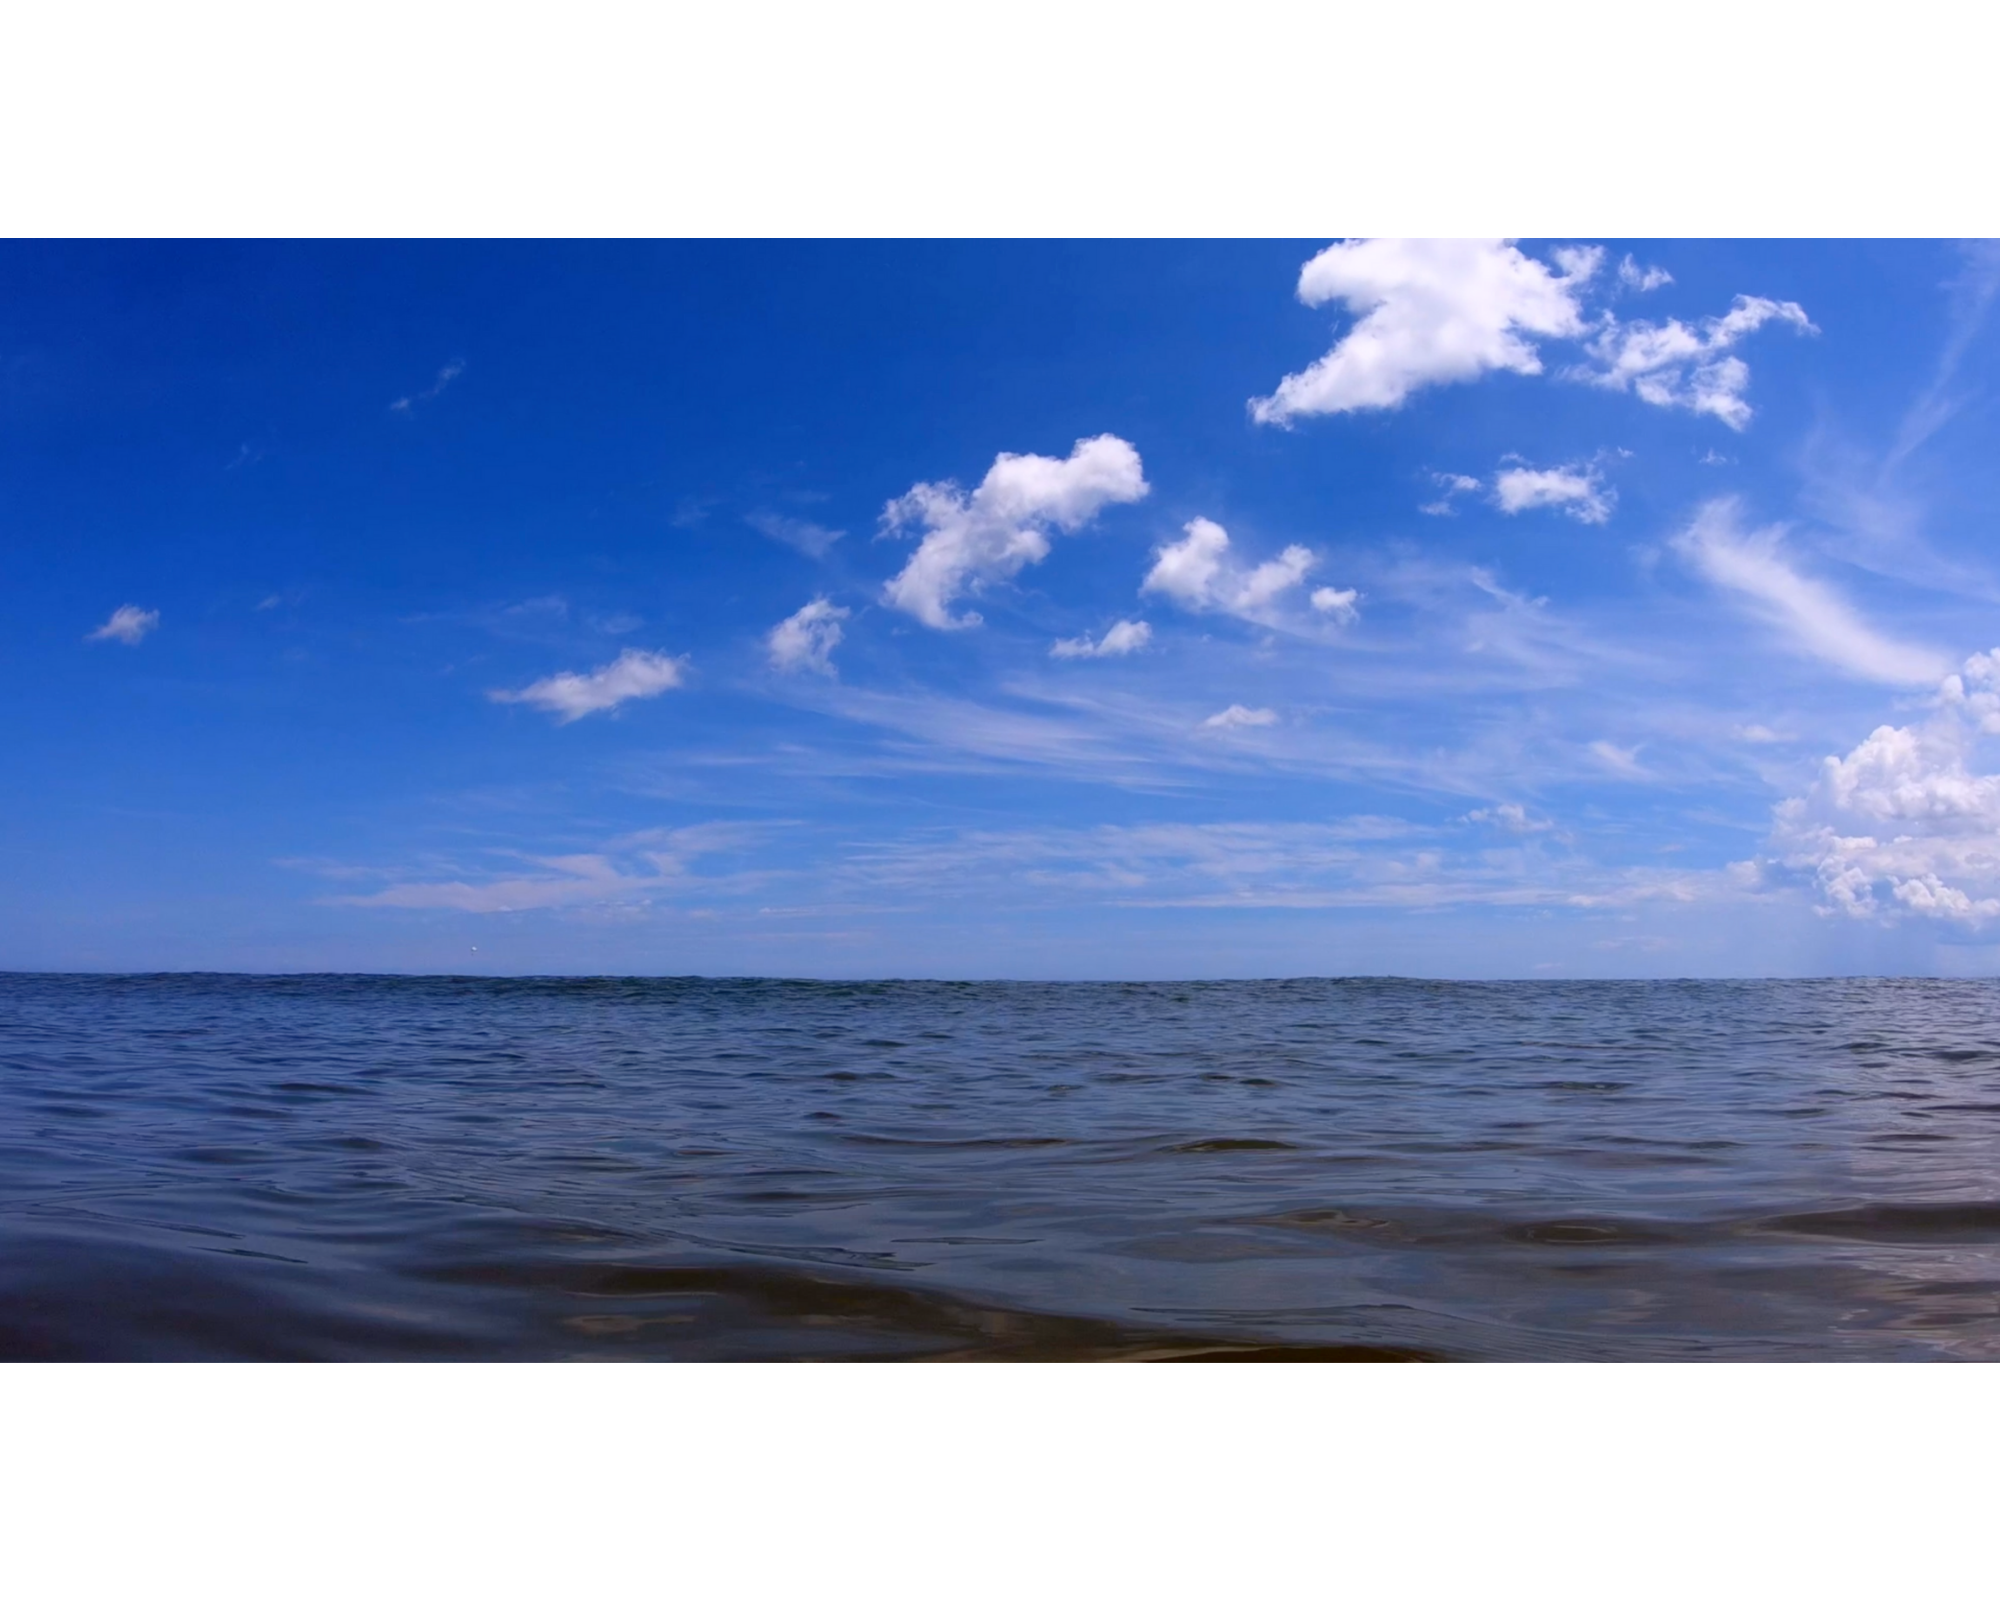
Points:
(1535, 608)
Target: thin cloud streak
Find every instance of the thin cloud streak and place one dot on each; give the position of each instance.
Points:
(1802, 609)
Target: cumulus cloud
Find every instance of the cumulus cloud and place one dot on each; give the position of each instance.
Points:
(127, 625)
(635, 675)
(1242, 717)
(1120, 639)
(1673, 363)
(1199, 572)
(449, 371)
(1002, 526)
(1815, 618)
(1903, 824)
(1431, 311)
(1342, 605)
(1577, 492)
(805, 640)
(1642, 280)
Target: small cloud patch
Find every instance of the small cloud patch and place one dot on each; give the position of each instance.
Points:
(1120, 639)
(804, 641)
(635, 675)
(1242, 717)
(126, 625)
(446, 373)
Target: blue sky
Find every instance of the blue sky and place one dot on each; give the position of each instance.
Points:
(1556, 608)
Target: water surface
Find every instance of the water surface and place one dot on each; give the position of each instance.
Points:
(197, 1167)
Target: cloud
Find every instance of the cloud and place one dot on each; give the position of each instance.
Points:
(1242, 717)
(805, 640)
(1810, 613)
(128, 625)
(1577, 492)
(1342, 605)
(1622, 761)
(808, 538)
(1673, 364)
(1452, 483)
(1199, 573)
(1902, 824)
(449, 371)
(1642, 280)
(1002, 526)
(1509, 818)
(1359, 861)
(640, 866)
(1120, 639)
(635, 675)
(1431, 311)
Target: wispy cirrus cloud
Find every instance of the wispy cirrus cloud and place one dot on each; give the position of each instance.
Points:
(1234, 717)
(808, 538)
(635, 675)
(1361, 861)
(447, 374)
(1450, 486)
(640, 866)
(1756, 567)
(971, 540)
(126, 625)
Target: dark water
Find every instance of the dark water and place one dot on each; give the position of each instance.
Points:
(370, 1168)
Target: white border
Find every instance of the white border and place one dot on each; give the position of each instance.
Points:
(985, 1480)
(1069, 117)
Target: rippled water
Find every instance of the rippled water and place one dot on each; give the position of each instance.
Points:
(368, 1168)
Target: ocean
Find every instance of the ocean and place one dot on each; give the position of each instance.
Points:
(199, 1167)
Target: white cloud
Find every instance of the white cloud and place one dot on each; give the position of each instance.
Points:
(1242, 717)
(1642, 280)
(1575, 491)
(635, 675)
(805, 640)
(1199, 573)
(1120, 639)
(1359, 861)
(1431, 311)
(1672, 364)
(808, 538)
(1509, 818)
(1343, 605)
(639, 867)
(1451, 483)
(128, 625)
(449, 371)
(1810, 613)
(1903, 824)
(1001, 527)
(1624, 762)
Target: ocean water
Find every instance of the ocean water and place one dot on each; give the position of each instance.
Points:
(350, 1168)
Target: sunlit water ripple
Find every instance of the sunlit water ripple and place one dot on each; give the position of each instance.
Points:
(390, 1168)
